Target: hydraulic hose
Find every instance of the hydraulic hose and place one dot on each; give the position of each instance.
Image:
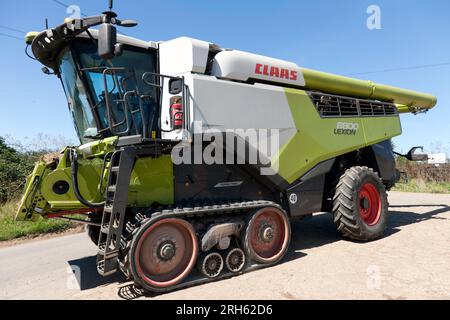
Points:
(73, 156)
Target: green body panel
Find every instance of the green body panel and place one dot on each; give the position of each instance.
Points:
(98, 148)
(151, 182)
(89, 173)
(344, 86)
(30, 36)
(32, 198)
(317, 141)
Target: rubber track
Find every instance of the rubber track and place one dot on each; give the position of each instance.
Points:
(191, 213)
(199, 212)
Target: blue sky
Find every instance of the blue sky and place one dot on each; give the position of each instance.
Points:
(326, 35)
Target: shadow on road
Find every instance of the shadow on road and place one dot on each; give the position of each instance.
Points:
(85, 271)
(404, 218)
(419, 205)
(306, 234)
(312, 232)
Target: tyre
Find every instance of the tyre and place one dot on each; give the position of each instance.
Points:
(267, 235)
(360, 205)
(163, 253)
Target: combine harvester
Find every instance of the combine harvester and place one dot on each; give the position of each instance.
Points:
(168, 224)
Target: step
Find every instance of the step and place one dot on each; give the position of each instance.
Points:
(105, 228)
(102, 248)
(111, 267)
(115, 169)
(110, 255)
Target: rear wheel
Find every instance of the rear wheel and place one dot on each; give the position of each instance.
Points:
(163, 253)
(267, 235)
(360, 205)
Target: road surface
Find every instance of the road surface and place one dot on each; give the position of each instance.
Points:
(411, 262)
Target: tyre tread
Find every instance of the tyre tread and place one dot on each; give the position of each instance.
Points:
(346, 216)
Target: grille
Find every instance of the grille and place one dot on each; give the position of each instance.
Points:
(331, 106)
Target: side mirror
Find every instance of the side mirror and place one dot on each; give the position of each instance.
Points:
(413, 156)
(107, 40)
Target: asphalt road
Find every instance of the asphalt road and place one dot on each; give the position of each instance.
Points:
(411, 262)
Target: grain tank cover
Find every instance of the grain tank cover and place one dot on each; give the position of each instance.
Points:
(243, 66)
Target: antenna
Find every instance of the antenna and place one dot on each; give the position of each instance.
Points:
(111, 4)
(46, 23)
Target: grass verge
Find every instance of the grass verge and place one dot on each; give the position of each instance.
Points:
(11, 229)
(420, 186)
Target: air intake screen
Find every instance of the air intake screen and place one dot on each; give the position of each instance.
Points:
(331, 106)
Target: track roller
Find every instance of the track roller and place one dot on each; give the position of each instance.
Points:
(163, 253)
(211, 265)
(267, 235)
(235, 260)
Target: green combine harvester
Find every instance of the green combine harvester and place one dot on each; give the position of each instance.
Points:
(194, 159)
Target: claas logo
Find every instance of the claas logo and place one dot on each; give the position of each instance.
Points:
(276, 72)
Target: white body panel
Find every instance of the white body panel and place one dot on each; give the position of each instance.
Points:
(183, 55)
(242, 66)
(224, 105)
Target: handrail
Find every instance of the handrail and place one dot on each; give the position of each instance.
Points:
(158, 82)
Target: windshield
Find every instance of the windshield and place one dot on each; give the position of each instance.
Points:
(84, 74)
(82, 115)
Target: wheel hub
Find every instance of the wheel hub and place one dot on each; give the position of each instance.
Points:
(212, 264)
(369, 204)
(365, 204)
(166, 250)
(266, 233)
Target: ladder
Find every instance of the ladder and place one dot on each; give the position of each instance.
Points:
(121, 166)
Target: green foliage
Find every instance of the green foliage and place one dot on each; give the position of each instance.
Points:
(14, 167)
(428, 173)
(421, 186)
(17, 160)
(11, 229)
(16, 163)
